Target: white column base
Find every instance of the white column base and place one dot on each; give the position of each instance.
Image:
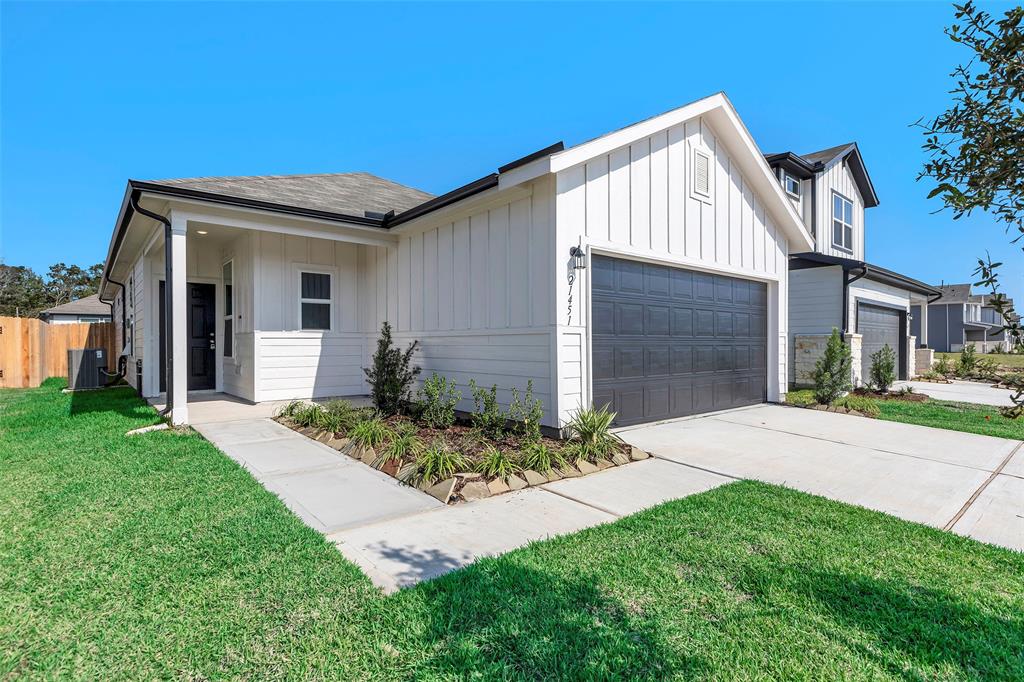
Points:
(179, 415)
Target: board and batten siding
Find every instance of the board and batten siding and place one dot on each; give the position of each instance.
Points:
(636, 202)
(474, 289)
(837, 177)
(815, 305)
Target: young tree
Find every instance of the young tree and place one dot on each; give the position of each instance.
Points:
(832, 371)
(975, 147)
(392, 374)
(883, 368)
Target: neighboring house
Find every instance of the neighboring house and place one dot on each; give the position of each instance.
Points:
(88, 309)
(960, 318)
(831, 286)
(646, 269)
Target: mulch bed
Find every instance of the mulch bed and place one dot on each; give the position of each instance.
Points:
(469, 486)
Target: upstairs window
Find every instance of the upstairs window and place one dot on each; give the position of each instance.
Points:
(314, 301)
(792, 185)
(842, 222)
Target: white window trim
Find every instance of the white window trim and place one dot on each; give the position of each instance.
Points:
(319, 270)
(786, 177)
(853, 206)
(694, 192)
(225, 317)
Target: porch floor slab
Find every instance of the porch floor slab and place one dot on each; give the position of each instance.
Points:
(962, 392)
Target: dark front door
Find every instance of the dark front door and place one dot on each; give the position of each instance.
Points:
(669, 342)
(878, 327)
(201, 327)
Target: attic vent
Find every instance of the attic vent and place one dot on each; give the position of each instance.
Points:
(701, 174)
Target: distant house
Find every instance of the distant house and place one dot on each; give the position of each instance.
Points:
(88, 309)
(960, 318)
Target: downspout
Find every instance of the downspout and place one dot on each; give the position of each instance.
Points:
(168, 301)
(814, 209)
(120, 372)
(847, 281)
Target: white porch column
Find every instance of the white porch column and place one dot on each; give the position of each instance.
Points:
(179, 320)
(923, 337)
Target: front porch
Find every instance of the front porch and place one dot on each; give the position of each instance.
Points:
(216, 408)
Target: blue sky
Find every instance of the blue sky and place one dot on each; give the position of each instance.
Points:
(436, 95)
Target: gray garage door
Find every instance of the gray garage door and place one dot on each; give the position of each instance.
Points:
(669, 342)
(878, 326)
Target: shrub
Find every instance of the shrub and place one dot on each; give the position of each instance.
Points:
(589, 428)
(832, 371)
(487, 415)
(986, 368)
(968, 361)
(369, 433)
(436, 463)
(403, 444)
(859, 403)
(943, 367)
(392, 375)
(539, 457)
(526, 413)
(496, 464)
(438, 399)
(882, 374)
(292, 409)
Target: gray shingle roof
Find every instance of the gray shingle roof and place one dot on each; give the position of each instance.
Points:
(826, 155)
(345, 193)
(90, 305)
(954, 293)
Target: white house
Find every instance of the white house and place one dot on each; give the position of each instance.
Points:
(831, 286)
(85, 309)
(647, 268)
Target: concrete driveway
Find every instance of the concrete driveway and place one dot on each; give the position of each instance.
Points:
(972, 485)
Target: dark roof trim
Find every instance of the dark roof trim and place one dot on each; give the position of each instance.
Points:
(800, 261)
(791, 163)
(860, 175)
(464, 192)
(539, 154)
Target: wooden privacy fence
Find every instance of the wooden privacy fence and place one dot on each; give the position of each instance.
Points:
(32, 350)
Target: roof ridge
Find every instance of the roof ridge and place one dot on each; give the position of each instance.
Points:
(278, 176)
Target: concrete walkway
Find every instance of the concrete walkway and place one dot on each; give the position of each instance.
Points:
(972, 485)
(962, 392)
(327, 490)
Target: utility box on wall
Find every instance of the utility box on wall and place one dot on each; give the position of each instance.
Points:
(86, 368)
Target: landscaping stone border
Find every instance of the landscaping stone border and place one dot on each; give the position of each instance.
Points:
(471, 486)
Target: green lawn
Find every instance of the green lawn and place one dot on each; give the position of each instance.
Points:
(156, 557)
(983, 419)
(1004, 359)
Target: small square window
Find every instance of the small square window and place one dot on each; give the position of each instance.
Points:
(792, 185)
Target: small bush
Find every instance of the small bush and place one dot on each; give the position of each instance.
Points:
(539, 457)
(832, 371)
(859, 403)
(487, 415)
(590, 431)
(801, 398)
(496, 464)
(986, 368)
(369, 433)
(392, 375)
(292, 409)
(943, 367)
(882, 374)
(931, 374)
(436, 463)
(526, 413)
(402, 445)
(968, 361)
(438, 399)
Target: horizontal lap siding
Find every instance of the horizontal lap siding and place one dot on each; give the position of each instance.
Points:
(294, 365)
(636, 201)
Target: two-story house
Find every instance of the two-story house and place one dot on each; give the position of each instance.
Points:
(960, 318)
(832, 286)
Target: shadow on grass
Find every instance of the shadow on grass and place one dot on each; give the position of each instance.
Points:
(928, 628)
(502, 619)
(122, 400)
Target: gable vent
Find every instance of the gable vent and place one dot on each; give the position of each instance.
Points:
(701, 174)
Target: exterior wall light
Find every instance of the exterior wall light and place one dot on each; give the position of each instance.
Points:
(579, 259)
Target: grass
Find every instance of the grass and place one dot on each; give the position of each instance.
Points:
(157, 557)
(941, 414)
(1014, 360)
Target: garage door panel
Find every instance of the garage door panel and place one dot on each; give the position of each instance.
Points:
(878, 327)
(681, 342)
